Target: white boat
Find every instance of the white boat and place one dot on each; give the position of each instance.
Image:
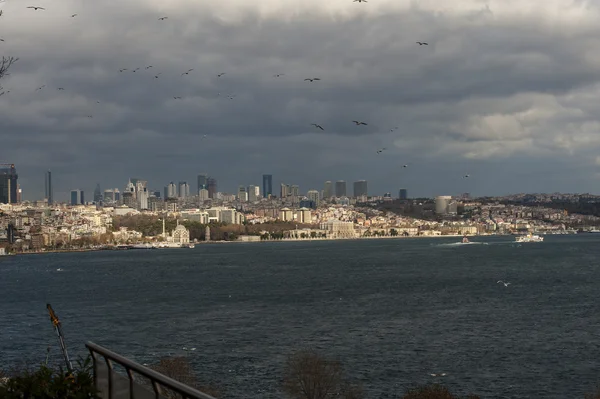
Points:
(529, 238)
(465, 240)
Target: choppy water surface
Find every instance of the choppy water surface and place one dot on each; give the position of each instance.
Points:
(393, 311)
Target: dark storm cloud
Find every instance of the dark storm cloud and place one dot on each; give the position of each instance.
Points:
(497, 83)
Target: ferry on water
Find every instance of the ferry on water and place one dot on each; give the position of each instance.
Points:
(529, 238)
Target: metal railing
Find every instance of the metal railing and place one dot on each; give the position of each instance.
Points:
(157, 380)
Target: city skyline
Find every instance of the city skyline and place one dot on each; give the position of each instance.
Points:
(497, 94)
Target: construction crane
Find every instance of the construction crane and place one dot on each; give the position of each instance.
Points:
(61, 341)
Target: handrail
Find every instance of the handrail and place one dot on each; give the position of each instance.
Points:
(157, 379)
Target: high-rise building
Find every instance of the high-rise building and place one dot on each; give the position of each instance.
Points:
(142, 197)
(77, 197)
(49, 189)
(171, 190)
(202, 182)
(267, 185)
(184, 189)
(294, 190)
(340, 188)
(253, 193)
(285, 190)
(442, 204)
(327, 191)
(313, 196)
(97, 194)
(203, 195)
(403, 194)
(212, 187)
(8, 184)
(242, 194)
(109, 196)
(360, 188)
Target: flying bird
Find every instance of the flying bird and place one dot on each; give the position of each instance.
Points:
(148, 67)
(204, 136)
(122, 70)
(36, 8)
(359, 123)
(136, 69)
(188, 72)
(278, 75)
(221, 74)
(156, 76)
(312, 79)
(90, 116)
(60, 88)
(1, 40)
(423, 44)
(40, 88)
(505, 283)
(381, 150)
(467, 176)
(405, 166)
(177, 98)
(73, 16)
(359, 1)
(163, 18)
(317, 126)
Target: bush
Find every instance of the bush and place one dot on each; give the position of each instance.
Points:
(48, 383)
(180, 369)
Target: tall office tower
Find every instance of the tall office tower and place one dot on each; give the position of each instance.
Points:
(166, 192)
(117, 195)
(76, 197)
(313, 196)
(267, 185)
(8, 184)
(360, 188)
(142, 197)
(327, 192)
(109, 196)
(155, 193)
(48, 186)
(97, 194)
(203, 195)
(81, 198)
(184, 189)
(171, 190)
(252, 193)
(403, 194)
(211, 187)
(242, 194)
(340, 188)
(19, 194)
(295, 190)
(202, 182)
(130, 188)
(284, 190)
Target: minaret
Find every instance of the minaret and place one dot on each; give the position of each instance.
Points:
(207, 234)
(164, 235)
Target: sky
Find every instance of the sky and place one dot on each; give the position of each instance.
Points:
(507, 92)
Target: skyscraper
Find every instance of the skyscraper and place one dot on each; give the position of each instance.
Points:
(360, 188)
(242, 194)
(327, 190)
(403, 194)
(97, 194)
(171, 190)
(202, 182)
(184, 189)
(284, 190)
(267, 185)
(8, 184)
(76, 197)
(252, 193)
(340, 188)
(313, 196)
(48, 186)
(212, 187)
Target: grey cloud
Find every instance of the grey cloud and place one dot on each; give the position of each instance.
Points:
(489, 88)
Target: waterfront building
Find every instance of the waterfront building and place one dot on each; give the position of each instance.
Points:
(442, 203)
(313, 195)
(180, 235)
(212, 187)
(339, 229)
(403, 194)
(286, 214)
(360, 188)
(304, 215)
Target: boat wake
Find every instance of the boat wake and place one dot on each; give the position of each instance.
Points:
(458, 244)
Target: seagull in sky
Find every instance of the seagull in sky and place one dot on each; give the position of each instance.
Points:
(278, 75)
(163, 18)
(405, 166)
(312, 79)
(36, 8)
(177, 98)
(60, 88)
(423, 44)
(359, 123)
(148, 67)
(317, 126)
(90, 116)
(381, 150)
(204, 136)
(123, 70)
(467, 176)
(505, 283)
(156, 76)
(221, 74)
(73, 16)
(136, 69)
(359, 1)
(188, 72)
(1, 40)
(40, 88)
